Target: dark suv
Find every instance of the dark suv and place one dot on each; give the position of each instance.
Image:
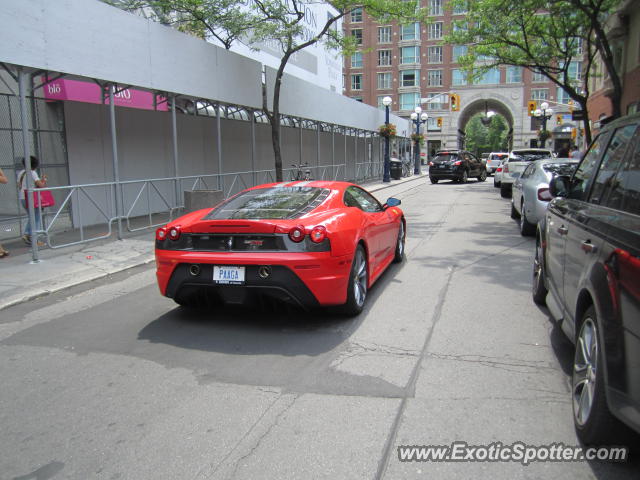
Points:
(587, 268)
(457, 165)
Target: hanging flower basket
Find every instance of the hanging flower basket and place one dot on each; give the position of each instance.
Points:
(387, 130)
(544, 135)
(417, 138)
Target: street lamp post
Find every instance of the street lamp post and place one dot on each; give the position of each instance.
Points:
(544, 113)
(386, 175)
(418, 118)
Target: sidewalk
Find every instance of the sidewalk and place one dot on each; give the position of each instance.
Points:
(59, 269)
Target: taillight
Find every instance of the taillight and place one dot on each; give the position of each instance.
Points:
(318, 234)
(161, 233)
(174, 233)
(505, 169)
(499, 169)
(459, 162)
(296, 234)
(544, 195)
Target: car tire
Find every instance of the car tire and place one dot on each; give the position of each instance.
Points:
(357, 287)
(505, 190)
(594, 423)
(527, 228)
(495, 184)
(483, 176)
(538, 288)
(433, 180)
(400, 244)
(514, 213)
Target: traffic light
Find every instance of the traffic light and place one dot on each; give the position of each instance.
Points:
(574, 133)
(531, 107)
(455, 102)
(559, 119)
(439, 120)
(570, 106)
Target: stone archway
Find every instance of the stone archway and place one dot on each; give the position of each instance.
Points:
(487, 102)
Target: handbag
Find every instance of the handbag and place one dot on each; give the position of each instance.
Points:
(40, 199)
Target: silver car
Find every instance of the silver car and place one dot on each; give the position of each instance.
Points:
(531, 191)
(494, 160)
(497, 177)
(518, 161)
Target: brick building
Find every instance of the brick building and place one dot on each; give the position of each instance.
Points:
(412, 65)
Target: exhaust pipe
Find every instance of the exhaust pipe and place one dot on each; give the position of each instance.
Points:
(194, 270)
(264, 271)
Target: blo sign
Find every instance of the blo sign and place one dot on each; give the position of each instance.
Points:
(74, 90)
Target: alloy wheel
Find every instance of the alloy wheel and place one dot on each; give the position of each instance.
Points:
(401, 239)
(585, 367)
(360, 279)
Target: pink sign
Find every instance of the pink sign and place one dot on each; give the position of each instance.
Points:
(74, 90)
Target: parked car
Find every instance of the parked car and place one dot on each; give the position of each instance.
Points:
(530, 192)
(587, 269)
(456, 165)
(517, 162)
(495, 160)
(309, 243)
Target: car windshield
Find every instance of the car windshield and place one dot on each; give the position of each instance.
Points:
(270, 203)
(445, 157)
(560, 168)
(528, 155)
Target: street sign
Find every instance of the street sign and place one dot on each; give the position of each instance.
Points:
(577, 115)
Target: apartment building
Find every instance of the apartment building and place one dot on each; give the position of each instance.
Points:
(411, 64)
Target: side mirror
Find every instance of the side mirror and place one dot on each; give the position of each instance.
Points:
(559, 186)
(392, 202)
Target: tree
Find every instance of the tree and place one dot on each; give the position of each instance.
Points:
(551, 37)
(492, 138)
(279, 21)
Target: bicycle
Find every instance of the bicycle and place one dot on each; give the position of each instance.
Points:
(297, 174)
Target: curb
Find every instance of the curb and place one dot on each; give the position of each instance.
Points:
(413, 178)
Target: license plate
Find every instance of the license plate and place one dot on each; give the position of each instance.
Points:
(442, 166)
(228, 275)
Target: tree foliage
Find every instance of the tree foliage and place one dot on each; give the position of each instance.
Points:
(544, 36)
(278, 21)
(492, 138)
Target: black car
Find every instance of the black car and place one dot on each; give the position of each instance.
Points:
(587, 269)
(457, 165)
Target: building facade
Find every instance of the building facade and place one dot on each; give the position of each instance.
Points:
(412, 65)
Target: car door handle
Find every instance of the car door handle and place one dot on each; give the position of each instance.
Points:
(563, 230)
(588, 247)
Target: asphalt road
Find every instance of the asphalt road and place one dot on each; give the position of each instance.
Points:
(113, 381)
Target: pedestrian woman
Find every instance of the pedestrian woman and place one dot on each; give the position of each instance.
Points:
(22, 187)
(3, 179)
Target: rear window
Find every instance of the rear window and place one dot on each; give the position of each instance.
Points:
(498, 156)
(560, 168)
(445, 156)
(270, 203)
(528, 156)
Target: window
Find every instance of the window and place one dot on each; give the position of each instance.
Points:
(539, 93)
(356, 197)
(435, 7)
(384, 80)
(357, 34)
(432, 124)
(562, 96)
(410, 55)
(409, 101)
(611, 161)
(380, 104)
(584, 172)
(357, 99)
(356, 15)
(356, 82)
(575, 71)
(384, 34)
(460, 10)
(356, 60)
(434, 78)
(384, 58)
(458, 51)
(434, 101)
(625, 193)
(514, 74)
(435, 30)
(490, 77)
(434, 55)
(538, 77)
(409, 78)
(410, 31)
(458, 77)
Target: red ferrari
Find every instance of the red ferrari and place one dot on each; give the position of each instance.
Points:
(310, 243)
